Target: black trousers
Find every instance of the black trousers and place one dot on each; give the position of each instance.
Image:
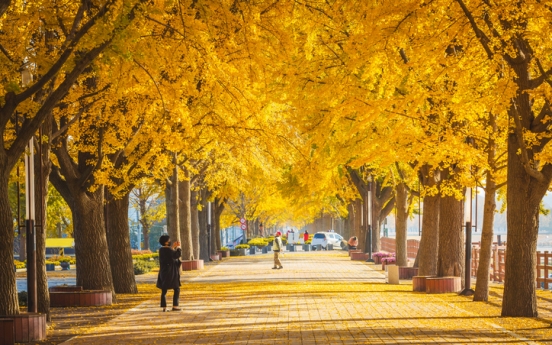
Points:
(176, 297)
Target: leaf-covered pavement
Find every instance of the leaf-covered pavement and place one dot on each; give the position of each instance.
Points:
(310, 301)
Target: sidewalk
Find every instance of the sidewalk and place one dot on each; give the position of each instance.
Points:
(318, 298)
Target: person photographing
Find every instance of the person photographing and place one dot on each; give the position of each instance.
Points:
(169, 271)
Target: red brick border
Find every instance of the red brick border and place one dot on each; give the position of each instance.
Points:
(443, 284)
(190, 265)
(359, 256)
(7, 332)
(86, 298)
(407, 272)
(224, 253)
(65, 288)
(26, 328)
(419, 283)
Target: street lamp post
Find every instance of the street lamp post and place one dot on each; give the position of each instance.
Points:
(369, 220)
(467, 264)
(32, 305)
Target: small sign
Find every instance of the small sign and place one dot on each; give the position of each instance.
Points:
(242, 220)
(243, 226)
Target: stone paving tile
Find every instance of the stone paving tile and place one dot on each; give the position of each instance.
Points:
(318, 298)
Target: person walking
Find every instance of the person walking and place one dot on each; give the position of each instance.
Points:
(306, 236)
(169, 271)
(278, 246)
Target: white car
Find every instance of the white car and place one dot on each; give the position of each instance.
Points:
(325, 238)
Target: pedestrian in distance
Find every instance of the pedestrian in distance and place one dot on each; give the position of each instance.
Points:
(353, 242)
(169, 271)
(278, 247)
(306, 236)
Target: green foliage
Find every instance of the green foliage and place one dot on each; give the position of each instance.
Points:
(258, 242)
(143, 266)
(146, 257)
(242, 246)
(58, 214)
(23, 298)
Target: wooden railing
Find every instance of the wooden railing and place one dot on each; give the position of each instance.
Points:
(389, 245)
(497, 267)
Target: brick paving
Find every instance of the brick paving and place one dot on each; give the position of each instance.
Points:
(318, 298)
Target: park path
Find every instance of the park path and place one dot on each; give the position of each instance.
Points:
(318, 298)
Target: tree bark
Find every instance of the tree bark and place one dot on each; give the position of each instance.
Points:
(195, 224)
(185, 219)
(524, 194)
(91, 249)
(9, 304)
(204, 232)
(42, 173)
(401, 217)
(144, 221)
(451, 238)
(22, 243)
(173, 218)
(118, 240)
(426, 260)
(218, 212)
(482, 283)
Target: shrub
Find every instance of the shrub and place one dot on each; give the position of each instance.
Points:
(146, 257)
(224, 248)
(142, 266)
(140, 252)
(309, 241)
(71, 260)
(23, 298)
(258, 242)
(383, 254)
(19, 264)
(242, 246)
(51, 262)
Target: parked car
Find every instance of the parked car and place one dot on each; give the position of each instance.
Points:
(325, 238)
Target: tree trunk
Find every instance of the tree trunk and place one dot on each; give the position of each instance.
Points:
(195, 224)
(42, 173)
(22, 243)
(213, 230)
(482, 283)
(401, 224)
(144, 221)
(118, 240)
(173, 218)
(9, 304)
(204, 231)
(426, 260)
(451, 238)
(524, 195)
(92, 253)
(185, 220)
(218, 212)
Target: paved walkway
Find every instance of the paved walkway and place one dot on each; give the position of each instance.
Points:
(318, 298)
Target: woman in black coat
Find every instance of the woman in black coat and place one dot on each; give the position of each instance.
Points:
(169, 271)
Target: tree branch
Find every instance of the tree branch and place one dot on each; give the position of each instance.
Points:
(524, 155)
(483, 39)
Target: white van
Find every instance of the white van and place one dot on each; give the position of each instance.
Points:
(325, 238)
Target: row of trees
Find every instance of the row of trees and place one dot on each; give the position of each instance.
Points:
(276, 110)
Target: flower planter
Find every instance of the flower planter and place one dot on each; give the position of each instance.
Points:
(25, 328)
(443, 284)
(215, 257)
(50, 267)
(252, 250)
(65, 266)
(377, 259)
(407, 272)
(354, 251)
(264, 250)
(190, 265)
(223, 253)
(419, 283)
(306, 247)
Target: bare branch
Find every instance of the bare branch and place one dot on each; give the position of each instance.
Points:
(483, 39)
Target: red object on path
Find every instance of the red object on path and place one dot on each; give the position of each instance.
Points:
(306, 236)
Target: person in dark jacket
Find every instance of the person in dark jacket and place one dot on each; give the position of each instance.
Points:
(169, 271)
